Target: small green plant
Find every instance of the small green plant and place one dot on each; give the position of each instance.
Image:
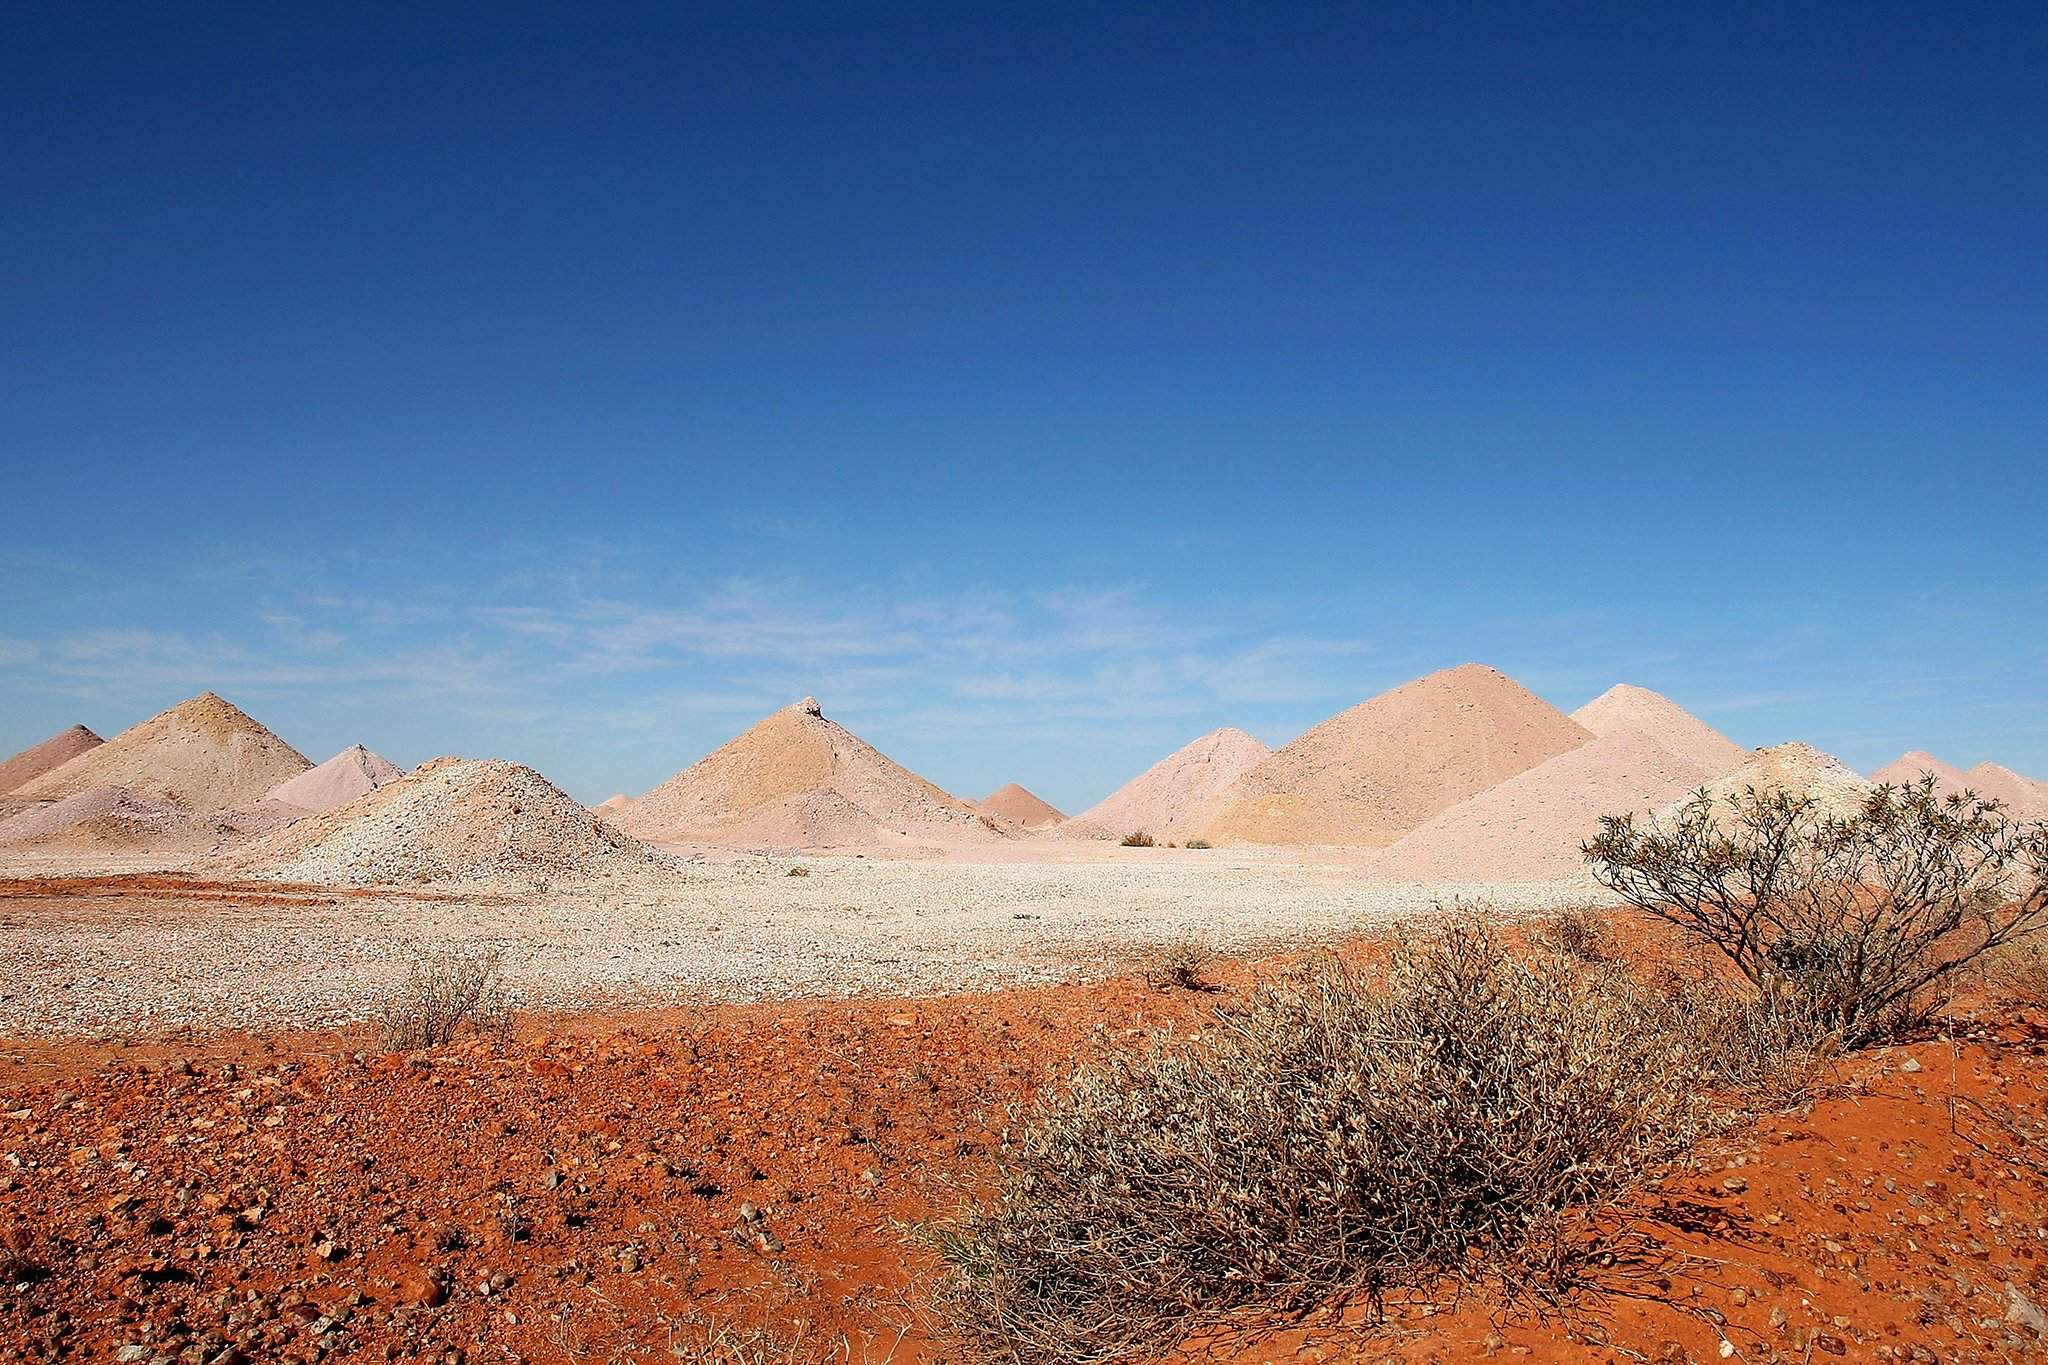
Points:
(1197, 843)
(1137, 839)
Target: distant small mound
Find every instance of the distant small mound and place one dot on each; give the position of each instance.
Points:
(1020, 806)
(1368, 775)
(2023, 797)
(1797, 768)
(1918, 763)
(1529, 828)
(612, 805)
(797, 780)
(205, 754)
(475, 822)
(53, 752)
(1173, 793)
(113, 820)
(1627, 707)
(353, 772)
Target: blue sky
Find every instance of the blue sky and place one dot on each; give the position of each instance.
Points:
(1038, 386)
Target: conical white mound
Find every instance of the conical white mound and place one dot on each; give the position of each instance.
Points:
(1168, 796)
(205, 753)
(478, 822)
(1627, 707)
(797, 780)
(1368, 775)
(1918, 763)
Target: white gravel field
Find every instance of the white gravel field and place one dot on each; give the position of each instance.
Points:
(723, 927)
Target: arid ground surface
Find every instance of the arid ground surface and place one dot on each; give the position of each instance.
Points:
(737, 1182)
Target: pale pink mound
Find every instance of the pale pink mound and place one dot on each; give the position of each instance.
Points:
(476, 822)
(38, 759)
(113, 819)
(1529, 828)
(1627, 707)
(353, 772)
(2023, 797)
(1020, 806)
(1800, 769)
(797, 780)
(612, 805)
(206, 754)
(1174, 792)
(1918, 763)
(1368, 775)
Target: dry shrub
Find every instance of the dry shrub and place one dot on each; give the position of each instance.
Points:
(1137, 838)
(442, 993)
(2015, 974)
(1861, 919)
(1577, 933)
(1181, 966)
(1345, 1131)
(1198, 843)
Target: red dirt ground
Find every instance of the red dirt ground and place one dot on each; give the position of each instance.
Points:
(580, 1191)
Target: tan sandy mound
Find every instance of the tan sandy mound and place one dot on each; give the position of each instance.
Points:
(204, 753)
(113, 820)
(36, 760)
(478, 822)
(612, 805)
(2025, 798)
(1793, 767)
(1020, 806)
(797, 780)
(1370, 774)
(1918, 763)
(1627, 707)
(1168, 796)
(353, 772)
(1529, 828)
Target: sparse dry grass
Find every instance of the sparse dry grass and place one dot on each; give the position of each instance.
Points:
(1137, 838)
(1181, 966)
(443, 993)
(1343, 1132)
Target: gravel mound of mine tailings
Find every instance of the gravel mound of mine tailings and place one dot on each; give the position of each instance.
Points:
(38, 759)
(114, 820)
(1626, 707)
(1529, 828)
(471, 822)
(204, 754)
(352, 773)
(1173, 793)
(1020, 806)
(1368, 775)
(1791, 767)
(798, 780)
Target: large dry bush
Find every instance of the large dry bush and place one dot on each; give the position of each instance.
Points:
(1856, 920)
(1344, 1131)
(442, 993)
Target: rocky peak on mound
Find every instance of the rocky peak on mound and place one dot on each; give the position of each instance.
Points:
(797, 779)
(53, 752)
(483, 822)
(205, 753)
(351, 773)
(1175, 791)
(1020, 806)
(1371, 773)
(1625, 706)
